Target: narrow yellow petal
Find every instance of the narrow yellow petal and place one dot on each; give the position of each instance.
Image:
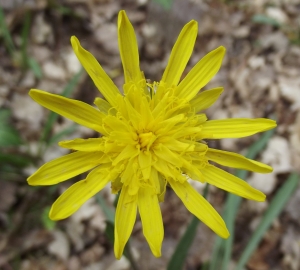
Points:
(235, 128)
(145, 158)
(124, 221)
(102, 81)
(206, 98)
(128, 49)
(231, 183)
(200, 74)
(76, 195)
(75, 110)
(200, 207)
(129, 151)
(180, 146)
(162, 166)
(64, 168)
(88, 145)
(102, 105)
(123, 137)
(166, 154)
(151, 219)
(234, 160)
(180, 54)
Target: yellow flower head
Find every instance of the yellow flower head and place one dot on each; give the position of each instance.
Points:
(152, 136)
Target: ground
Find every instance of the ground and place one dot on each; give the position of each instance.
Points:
(261, 78)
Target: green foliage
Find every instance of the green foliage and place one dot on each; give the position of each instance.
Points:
(6, 34)
(47, 222)
(35, 67)
(8, 134)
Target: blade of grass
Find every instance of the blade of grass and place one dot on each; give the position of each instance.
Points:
(35, 67)
(48, 223)
(109, 213)
(14, 160)
(6, 34)
(223, 248)
(54, 116)
(179, 256)
(280, 199)
(9, 136)
(25, 34)
(58, 136)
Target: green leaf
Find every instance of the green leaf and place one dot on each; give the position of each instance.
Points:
(58, 136)
(223, 248)
(280, 199)
(35, 67)
(24, 40)
(8, 134)
(6, 34)
(109, 213)
(47, 222)
(14, 159)
(179, 256)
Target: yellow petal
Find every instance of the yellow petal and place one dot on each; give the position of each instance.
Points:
(63, 168)
(123, 137)
(234, 160)
(145, 158)
(231, 183)
(180, 54)
(162, 166)
(200, 207)
(102, 105)
(128, 49)
(151, 219)
(129, 151)
(124, 221)
(166, 154)
(200, 74)
(102, 81)
(75, 110)
(76, 195)
(179, 146)
(88, 145)
(206, 98)
(235, 128)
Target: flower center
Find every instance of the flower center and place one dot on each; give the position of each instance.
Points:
(146, 139)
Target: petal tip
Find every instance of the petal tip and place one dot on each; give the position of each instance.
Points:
(156, 253)
(193, 23)
(75, 43)
(34, 92)
(226, 234)
(222, 48)
(52, 216)
(121, 17)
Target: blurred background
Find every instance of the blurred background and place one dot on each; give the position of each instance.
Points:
(261, 78)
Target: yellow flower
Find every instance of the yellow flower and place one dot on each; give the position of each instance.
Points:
(152, 136)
